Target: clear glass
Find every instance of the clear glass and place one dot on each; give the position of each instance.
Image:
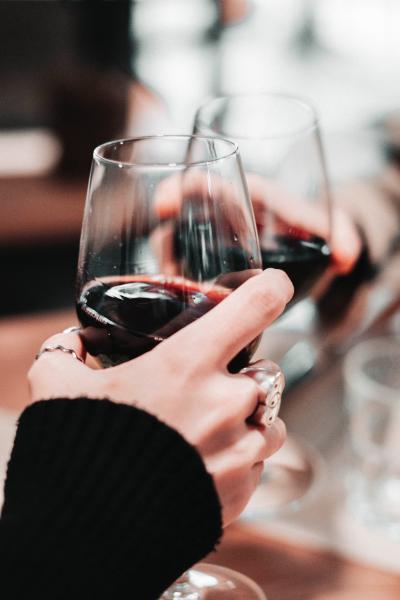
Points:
(282, 154)
(280, 145)
(168, 232)
(207, 581)
(372, 394)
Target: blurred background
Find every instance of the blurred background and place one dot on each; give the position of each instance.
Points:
(75, 74)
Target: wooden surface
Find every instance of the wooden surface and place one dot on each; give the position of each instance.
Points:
(285, 571)
(289, 572)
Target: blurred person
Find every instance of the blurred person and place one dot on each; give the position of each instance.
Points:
(370, 290)
(68, 81)
(67, 66)
(122, 478)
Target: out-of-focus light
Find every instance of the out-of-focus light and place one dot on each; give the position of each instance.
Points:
(182, 76)
(28, 152)
(165, 19)
(274, 22)
(366, 30)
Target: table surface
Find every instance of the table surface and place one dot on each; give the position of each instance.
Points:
(286, 566)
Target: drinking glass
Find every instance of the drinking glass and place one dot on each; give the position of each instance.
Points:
(168, 232)
(372, 393)
(280, 145)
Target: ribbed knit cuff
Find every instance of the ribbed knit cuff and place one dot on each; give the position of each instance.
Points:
(108, 494)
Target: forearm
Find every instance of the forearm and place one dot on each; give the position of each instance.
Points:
(102, 500)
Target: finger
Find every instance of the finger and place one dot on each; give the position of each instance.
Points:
(263, 442)
(271, 382)
(236, 321)
(275, 437)
(345, 242)
(256, 473)
(69, 341)
(269, 196)
(162, 245)
(244, 395)
(168, 197)
(174, 190)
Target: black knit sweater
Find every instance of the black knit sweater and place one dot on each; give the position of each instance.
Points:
(102, 500)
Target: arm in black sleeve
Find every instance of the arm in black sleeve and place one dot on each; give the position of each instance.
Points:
(102, 500)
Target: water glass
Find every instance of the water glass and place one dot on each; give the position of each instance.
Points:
(372, 393)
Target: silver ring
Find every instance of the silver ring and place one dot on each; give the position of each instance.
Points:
(271, 382)
(59, 347)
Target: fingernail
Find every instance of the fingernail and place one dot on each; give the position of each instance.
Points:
(71, 329)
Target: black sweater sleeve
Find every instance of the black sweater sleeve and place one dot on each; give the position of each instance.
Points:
(102, 500)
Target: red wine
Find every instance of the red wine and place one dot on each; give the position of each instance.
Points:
(303, 260)
(123, 318)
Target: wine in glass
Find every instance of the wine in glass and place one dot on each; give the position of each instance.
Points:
(280, 145)
(168, 232)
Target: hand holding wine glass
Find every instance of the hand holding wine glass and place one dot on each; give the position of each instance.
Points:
(280, 142)
(190, 391)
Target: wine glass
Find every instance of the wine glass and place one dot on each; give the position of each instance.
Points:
(168, 232)
(281, 149)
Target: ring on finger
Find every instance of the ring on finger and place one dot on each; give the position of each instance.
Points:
(59, 347)
(271, 382)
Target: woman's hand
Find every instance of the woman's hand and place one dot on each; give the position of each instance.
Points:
(184, 381)
(345, 244)
(267, 196)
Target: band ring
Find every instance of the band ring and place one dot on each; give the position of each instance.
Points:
(59, 347)
(271, 382)
(267, 410)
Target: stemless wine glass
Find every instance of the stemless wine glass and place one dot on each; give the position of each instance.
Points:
(168, 232)
(280, 145)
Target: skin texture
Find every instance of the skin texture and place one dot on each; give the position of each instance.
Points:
(185, 382)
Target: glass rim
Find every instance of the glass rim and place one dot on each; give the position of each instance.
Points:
(130, 140)
(293, 98)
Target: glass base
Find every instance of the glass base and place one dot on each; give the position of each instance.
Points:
(290, 478)
(209, 582)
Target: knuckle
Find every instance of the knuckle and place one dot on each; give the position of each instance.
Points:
(48, 359)
(31, 372)
(259, 447)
